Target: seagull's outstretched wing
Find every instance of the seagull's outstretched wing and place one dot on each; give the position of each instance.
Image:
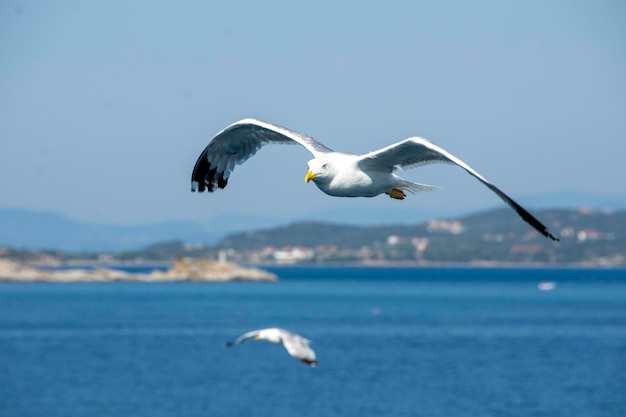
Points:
(246, 336)
(298, 347)
(417, 151)
(238, 142)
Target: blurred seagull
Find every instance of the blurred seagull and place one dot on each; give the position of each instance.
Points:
(296, 345)
(335, 173)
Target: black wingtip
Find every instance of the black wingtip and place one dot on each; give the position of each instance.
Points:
(198, 176)
(523, 213)
(206, 178)
(551, 236)
(530, 219)
(311, 363)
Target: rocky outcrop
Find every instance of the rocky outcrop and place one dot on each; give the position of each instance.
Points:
(186, 269)
(183, 269)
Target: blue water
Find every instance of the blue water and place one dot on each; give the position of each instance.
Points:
(390, 342)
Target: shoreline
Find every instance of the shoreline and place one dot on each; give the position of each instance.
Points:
(183, 269)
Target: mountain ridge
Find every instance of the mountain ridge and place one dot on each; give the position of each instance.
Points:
(496, 236)
(33, 229)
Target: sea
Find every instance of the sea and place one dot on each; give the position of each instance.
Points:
(391, 341)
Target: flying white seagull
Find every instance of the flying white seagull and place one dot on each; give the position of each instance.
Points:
(296, 345)
(335, 173)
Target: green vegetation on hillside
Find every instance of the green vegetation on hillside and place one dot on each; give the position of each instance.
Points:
(587, 237)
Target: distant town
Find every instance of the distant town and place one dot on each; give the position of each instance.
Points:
(497, 237)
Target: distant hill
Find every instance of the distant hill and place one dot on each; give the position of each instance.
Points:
(471, 227)
(587, 237)
(31, 229)
(25, 229)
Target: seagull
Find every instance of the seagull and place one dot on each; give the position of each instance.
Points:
(296, 345)
(337, 174)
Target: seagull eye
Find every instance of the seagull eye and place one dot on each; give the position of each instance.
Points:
(324, 166)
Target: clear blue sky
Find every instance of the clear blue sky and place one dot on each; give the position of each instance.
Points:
(105, 106)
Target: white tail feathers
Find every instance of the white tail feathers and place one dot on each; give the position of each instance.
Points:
(414, 187)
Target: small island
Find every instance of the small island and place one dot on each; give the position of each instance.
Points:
(182, 269)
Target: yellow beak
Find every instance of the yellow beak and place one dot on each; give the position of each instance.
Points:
(309, 176)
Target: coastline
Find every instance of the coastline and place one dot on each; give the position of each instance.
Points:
(205, 270)
(183, 269)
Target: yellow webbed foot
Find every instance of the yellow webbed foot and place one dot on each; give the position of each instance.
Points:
(396, 193)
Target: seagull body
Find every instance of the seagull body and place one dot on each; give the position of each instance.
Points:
(343, 175)
(296, 345)
(337, 174)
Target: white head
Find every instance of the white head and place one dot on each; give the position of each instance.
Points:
(320, 171)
